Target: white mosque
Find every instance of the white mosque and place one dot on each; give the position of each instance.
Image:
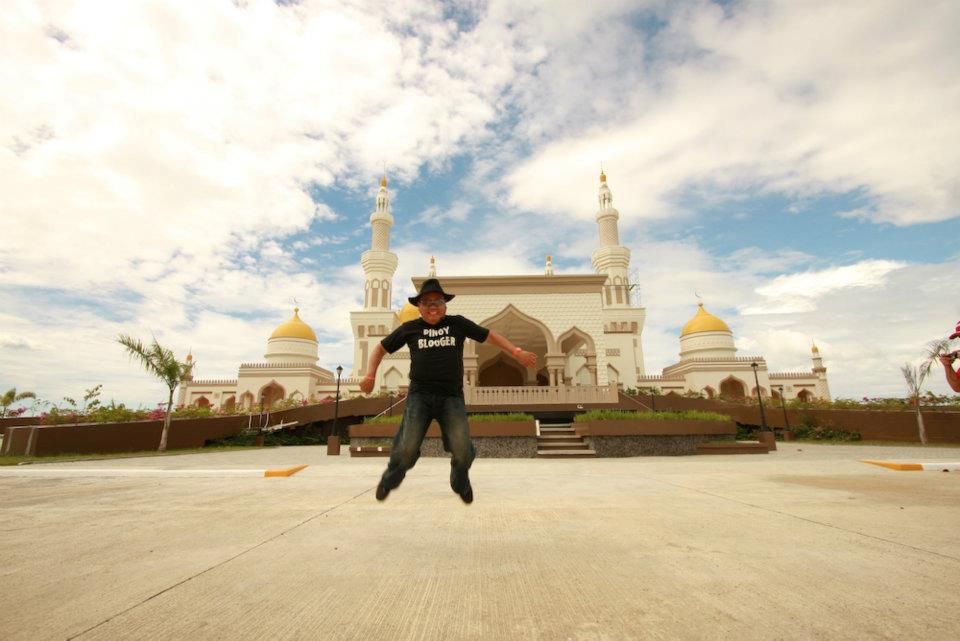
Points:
(584, 328)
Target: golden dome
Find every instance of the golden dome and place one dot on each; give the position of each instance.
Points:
(383, 181)
(294, 328)
(815, 350)
(603, 177)
(408, 313)
(703, 321)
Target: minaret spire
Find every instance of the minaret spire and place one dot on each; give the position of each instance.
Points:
(379, 263)
(611, 258)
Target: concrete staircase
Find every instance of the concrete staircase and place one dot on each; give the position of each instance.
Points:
(559, 440)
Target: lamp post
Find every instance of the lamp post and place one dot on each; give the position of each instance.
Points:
(333, 441)
(786, 421)
(763, 416)
(766, 435)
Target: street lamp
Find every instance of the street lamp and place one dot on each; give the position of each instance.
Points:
(333, 441)
(763, 416)
(786, 421)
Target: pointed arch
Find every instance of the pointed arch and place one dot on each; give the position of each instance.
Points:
(522, 330)
(247, 400)
(733, 387)
(710, 392)
(583, 376)
(573, 338)
(230, 403)
(392, 378)
(613, 376)
(510, 313)
(271, 393)
(805, 396)
(202, 402)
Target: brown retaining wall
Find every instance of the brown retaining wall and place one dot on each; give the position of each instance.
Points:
(942, 426)
(138, 436)
(506, 439)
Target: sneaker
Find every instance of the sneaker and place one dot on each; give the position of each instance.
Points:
(382, 491)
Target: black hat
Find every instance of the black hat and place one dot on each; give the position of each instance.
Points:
(430, 285)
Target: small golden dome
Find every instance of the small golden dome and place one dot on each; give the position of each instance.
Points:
(383, 181)
(815, 350)
(603, 177)
(408, 313)
(294, 328)
(703, 321)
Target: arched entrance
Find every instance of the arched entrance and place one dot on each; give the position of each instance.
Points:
(805, 396)
(580, 357)
(230, 404)
(732, 388)
(501, 372)
(520, 329)
(202, 402)
(246, 400)
(270, 394)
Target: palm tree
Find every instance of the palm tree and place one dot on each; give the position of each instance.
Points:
(914, 376)
(160, 362)
(10, 397)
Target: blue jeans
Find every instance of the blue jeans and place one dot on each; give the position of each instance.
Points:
(451, 413)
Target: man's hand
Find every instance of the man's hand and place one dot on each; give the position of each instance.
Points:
(366, 384)
(527, 359)
(947, 359)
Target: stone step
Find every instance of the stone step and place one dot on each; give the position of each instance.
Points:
(561, 446)
(735, 447)
(556, 430)
(558, 437)
(566, 453)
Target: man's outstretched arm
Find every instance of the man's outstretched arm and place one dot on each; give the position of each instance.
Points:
(952, 380)
(527, 359)
(366, 383)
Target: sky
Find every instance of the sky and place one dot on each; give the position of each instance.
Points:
(186, 170)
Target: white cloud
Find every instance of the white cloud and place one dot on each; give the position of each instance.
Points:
(798, 292)
(797, 98)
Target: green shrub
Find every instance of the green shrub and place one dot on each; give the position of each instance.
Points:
(386, 418)
(492, 418)
(624, 415)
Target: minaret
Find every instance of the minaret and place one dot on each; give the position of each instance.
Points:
(432, 272)
(611, 258)
(379, 263)
(823, 388)
(548, 268)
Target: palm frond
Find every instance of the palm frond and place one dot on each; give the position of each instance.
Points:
(156, 359)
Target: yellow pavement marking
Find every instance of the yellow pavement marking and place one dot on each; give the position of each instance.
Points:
(289, 471)
(902, 467)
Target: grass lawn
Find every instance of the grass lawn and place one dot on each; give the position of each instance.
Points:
(63, 458)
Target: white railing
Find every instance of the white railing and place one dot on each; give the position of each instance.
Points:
(540, 395)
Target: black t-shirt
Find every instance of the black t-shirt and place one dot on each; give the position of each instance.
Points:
(436, 352)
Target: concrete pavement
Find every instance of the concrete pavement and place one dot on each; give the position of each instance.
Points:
(803, 543)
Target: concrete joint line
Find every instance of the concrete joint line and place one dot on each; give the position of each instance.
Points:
(215, 566)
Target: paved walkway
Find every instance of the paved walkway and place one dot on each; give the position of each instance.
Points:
(803, 543)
